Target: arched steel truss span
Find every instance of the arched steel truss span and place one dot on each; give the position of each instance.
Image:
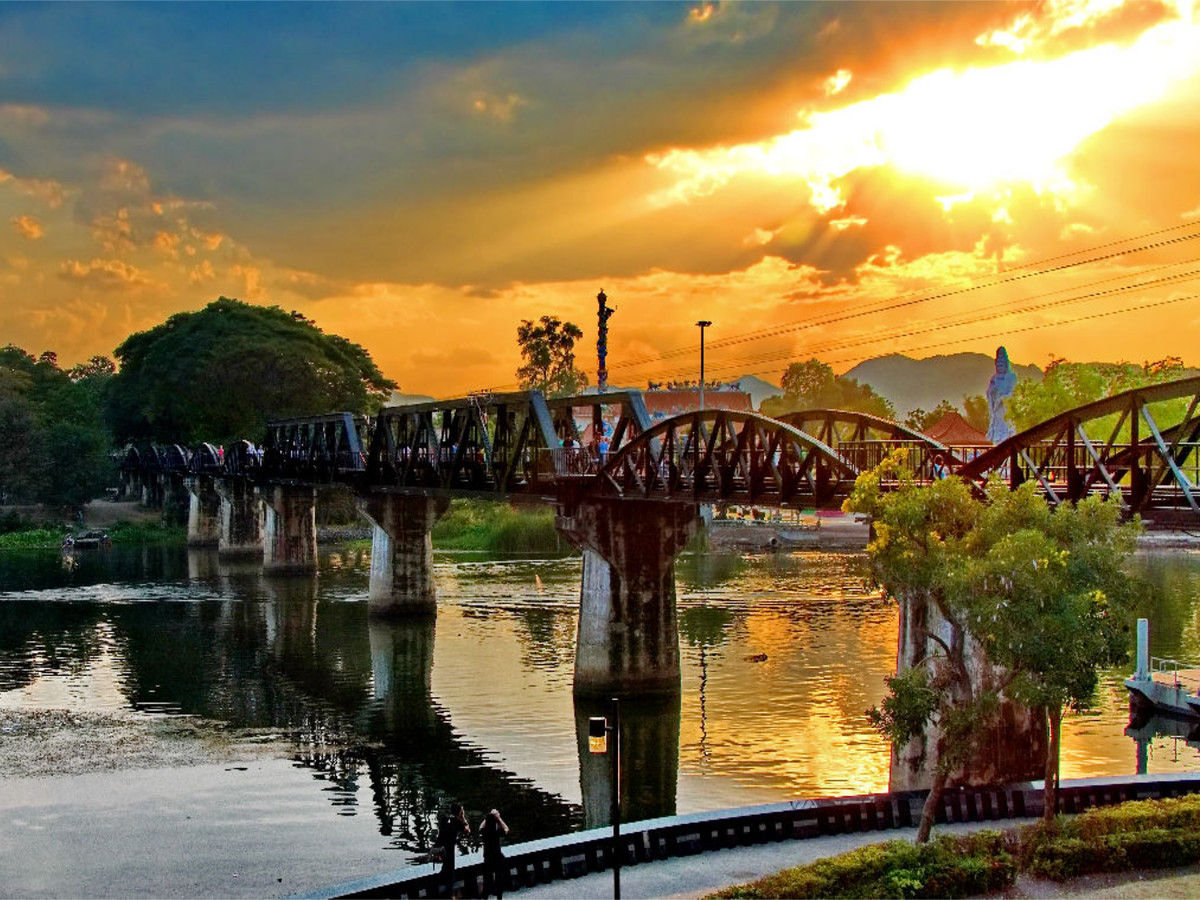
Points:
(725, 456)
(510, 444)
(864, 441)
(1113, 447)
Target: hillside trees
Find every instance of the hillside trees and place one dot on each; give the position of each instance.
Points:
(548, 349)
(54, 447)
(220, 373)
(1068, 384)
(813, 385)
(1042, 594)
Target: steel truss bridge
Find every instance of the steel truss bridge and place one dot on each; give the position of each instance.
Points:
(1141, 446)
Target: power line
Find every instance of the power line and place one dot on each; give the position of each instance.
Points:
(915, 299)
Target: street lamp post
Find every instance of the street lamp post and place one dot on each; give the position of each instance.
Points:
(703, 323)
(598, 732)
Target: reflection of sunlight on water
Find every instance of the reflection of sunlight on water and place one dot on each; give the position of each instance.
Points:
(97, 684)
(780, 654)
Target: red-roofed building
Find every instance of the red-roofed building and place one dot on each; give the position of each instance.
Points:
(955, 431)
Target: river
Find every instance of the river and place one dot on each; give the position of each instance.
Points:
(383, 723)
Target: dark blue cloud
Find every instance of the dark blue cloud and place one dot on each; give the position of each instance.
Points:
(243, 58)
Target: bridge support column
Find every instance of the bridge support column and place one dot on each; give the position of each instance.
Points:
(1014, 746)
(204, 512)
(628, 639)
(290, 529)
(241, 519)
(402, 553)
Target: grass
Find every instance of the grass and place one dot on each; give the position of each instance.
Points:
(498, 528)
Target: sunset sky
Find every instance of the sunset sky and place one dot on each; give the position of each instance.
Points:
(838, 180)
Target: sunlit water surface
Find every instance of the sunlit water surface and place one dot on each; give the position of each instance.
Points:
(781, 655)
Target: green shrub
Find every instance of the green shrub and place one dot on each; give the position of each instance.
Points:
(32, 538)
(146, 533)
(497, 528)
(1135, 815)
(948, 866)
(1144, 834)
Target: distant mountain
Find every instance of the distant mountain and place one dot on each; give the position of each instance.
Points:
(758, 389)
(923, 383)
(399, 399)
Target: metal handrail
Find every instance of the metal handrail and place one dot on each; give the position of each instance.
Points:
(1168, 666)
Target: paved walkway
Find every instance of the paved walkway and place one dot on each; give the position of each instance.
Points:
(703, 873)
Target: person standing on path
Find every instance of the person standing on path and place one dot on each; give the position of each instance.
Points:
(450, 829)
(491, 830)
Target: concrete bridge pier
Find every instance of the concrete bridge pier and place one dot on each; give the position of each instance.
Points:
(1014, 746)
(131, 484)
(241, 519)
(204, 511)
(628, 639)
(289, 529)
(401, 553)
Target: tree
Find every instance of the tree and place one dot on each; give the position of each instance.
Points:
(1067, 385)
(1039, 593)
(813, 385)
(548, 348)
(54, 447)
(920, 419)
(975, 411)
(220, 373)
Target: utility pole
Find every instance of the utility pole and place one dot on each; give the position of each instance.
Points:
(703, 323)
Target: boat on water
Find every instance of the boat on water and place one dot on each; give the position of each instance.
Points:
(88, 540)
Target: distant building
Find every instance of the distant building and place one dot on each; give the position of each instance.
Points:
(663, 403)
(953, 430)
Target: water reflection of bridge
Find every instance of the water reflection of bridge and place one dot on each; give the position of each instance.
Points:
(353, 691)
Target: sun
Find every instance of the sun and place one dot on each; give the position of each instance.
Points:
(970, 131)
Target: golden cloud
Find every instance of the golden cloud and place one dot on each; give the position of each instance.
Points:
(28, 227)
(123, 175)
(167, 244)
(114, 233)
(52, 193)
(103, 274)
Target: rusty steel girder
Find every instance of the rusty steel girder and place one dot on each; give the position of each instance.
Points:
(725, 456)
(320, 449)
(1087, 451)
(511, 443)
(864, 441)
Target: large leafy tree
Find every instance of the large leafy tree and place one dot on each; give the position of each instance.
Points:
(1067, 385)
(921, 419)
(813, 385)
(54, 447)
(1040, 594)
(220, 373)
(548, 349)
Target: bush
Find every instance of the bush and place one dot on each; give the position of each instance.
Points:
(948, 866)
(32, 538)
(1143, 834)
(146, 533)
(497, 528)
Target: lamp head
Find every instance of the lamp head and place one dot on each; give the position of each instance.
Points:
(598, 734)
